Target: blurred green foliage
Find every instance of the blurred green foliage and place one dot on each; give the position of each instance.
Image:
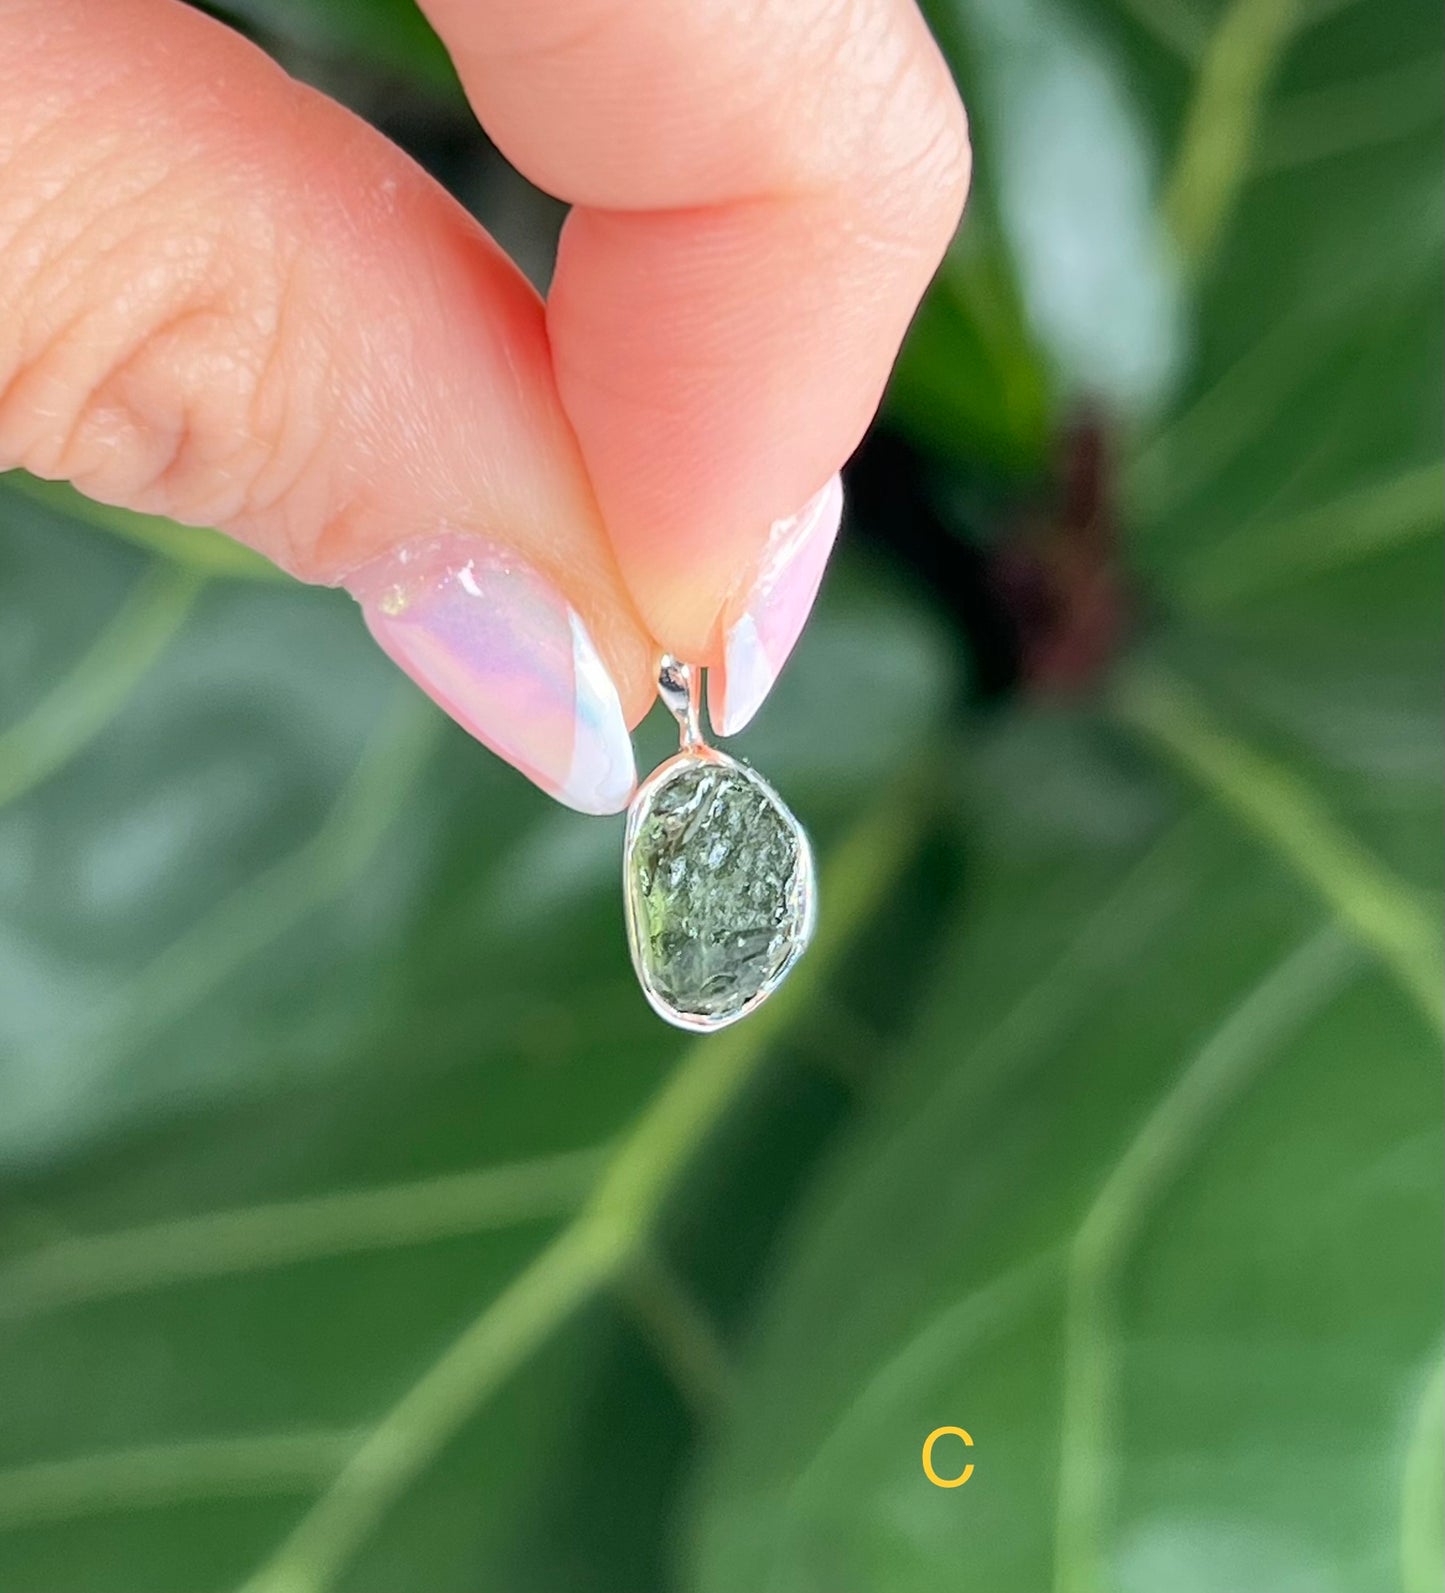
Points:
(360, 1228)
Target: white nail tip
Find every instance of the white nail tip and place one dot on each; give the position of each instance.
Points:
(602, 774)
(770, 614)
(497, 645)
(747, 678)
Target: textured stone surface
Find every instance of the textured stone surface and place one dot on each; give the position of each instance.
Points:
(714, 875)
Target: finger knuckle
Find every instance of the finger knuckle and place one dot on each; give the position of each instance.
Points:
(151, 353)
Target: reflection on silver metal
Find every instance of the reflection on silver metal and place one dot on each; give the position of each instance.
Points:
(680, 688)
(718, 877)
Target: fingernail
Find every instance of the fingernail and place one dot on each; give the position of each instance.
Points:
(759, 629)
(510, 660)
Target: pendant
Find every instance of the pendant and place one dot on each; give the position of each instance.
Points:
(717, 877)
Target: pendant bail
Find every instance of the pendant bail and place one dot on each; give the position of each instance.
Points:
(679, 686)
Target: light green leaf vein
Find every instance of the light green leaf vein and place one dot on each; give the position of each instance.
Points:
(1198, 445)
(1223, 119)
(565, 1275)
(1357, 113)
(1042, 1013)
(164, 1474)
(283, 895)
(937, 1346)
(1262, 558)
(1379, 909)
(1211, 1080)
(98, 1266)
(78, 707)
(1422, 1493)
(1158, 885)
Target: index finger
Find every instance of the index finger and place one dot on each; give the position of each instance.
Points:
(761, 194)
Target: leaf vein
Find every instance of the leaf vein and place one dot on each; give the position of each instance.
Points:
(246, 1239)
(78, 707)
(163, 1474)
(1378, 908)
(1422, 1485)
(1215, 1076)
(1223, 119)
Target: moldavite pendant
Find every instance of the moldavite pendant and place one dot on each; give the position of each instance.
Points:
(717, 878)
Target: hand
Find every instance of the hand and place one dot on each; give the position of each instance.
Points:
(225, 299)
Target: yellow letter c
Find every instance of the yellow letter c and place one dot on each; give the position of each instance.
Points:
(930, 1473)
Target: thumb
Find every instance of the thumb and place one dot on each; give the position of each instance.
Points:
(225, 299)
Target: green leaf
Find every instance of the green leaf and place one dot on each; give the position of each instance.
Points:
(362, 1230)
(335, 1128)
(1149, 1203)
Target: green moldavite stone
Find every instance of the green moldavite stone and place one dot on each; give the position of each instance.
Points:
(719, 880)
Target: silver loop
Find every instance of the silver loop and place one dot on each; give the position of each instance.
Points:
(679, 686)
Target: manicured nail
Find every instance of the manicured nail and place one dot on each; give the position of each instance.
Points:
(510, 660)
(761, 626)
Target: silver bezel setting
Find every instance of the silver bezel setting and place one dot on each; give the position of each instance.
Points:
(805, 890)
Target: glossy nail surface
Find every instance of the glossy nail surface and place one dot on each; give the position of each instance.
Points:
(762, 624)
(494, 642)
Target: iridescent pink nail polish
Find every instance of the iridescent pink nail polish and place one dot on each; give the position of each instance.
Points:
(494, 642)
(762, 624)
